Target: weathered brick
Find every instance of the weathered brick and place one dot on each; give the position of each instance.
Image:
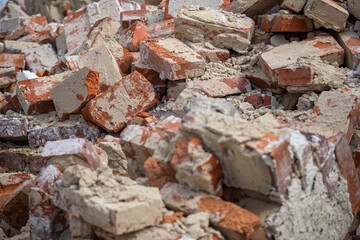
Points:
(72, 94)
(347, 169)
(100, 59)
(221, 87)
(18, 46)
(196, 26)
(13, 128)
(173, 7)
(159, 172)
(353, 7)
(284, 23)
(326, 13)
(293, 5)
(337, 111)
(9, 182)
(40, 58)
(132, 36)
(67, 152)
(251, 7)
(275, 59)
(172, 58)
(161, 29)
(235, 223)
(170, 125)
(209, 52)
(65, 63)
(138, 144)
(350, 41)
(257, 100)
(12, 60)
(108, 110)
(13, 160)
(39, 136)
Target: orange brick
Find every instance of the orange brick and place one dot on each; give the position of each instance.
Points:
(132, 36)
(158, 172)
(235, 222)
(108, 110)
(347, 168)
(12, 60)
(72, 94)
(325, 47)
(162, 55)
(284, 23)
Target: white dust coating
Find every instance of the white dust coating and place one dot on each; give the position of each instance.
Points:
(311, 214)
(103, 199)
(176, 5)
(101, 60)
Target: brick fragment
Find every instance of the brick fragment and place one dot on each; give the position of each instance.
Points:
(108, 110)
(39, 136)
(170, 125)
(353, 7)
(196, 167)
(259, 79)
(132, 36)
(194, 25)
(9, 182)
(13, 160)
(138, 144)
(100, 59)
(9, 25)
(67, 152)
(12, 60)
(293, 5)
(257, 100)
(143, 206)
(250, 7)
(173, 7)
(143, 119)
(347, 169)
(164, 55)
(275, 59)
(18, 46)
(71, 95)
(13, 128)
(284, 23)
(209, 52)
(341, 108)
(40, 58)
(116, 157)
(159, 172)
(130, 17)
(14, 210)
(327, 14)
(350, 41)
(235, 223)
(65, 63)
(221, 87)
(161, 29)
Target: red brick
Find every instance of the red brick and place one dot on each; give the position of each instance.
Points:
(284, 23)
(170, 125)
(347, 169)
(12, 60)
(13, 161)
(138, 144)
(39, 136)
(82, 151)
(108, 110)
(325, 47)
(161, 29)
(129, 17)
(36, 163)
(14, 128)
(72, 94)
(258, 100)
(132, 36)
(9, 182)
(158, 172)
(14, 210)
(13, 104)
(295, 77)
(163, 56)
(235, 222)
(125, 62)
(350, 41)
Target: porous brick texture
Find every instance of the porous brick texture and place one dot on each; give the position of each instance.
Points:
(179, 119)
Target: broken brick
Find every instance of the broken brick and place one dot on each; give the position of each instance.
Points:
(327, 14)
(293, 5)
(13, 128)
(284, 23)
(138, 144)
(12, 60)
(350, 41)
(67, 152)
(170, 125)
(212, 54)
(250, 7)
(9, 182)
(158, 172)
(108, 110)
(132, 37)
(163, 56)
(72, 94)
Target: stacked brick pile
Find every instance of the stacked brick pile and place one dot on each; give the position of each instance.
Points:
(174, 119)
